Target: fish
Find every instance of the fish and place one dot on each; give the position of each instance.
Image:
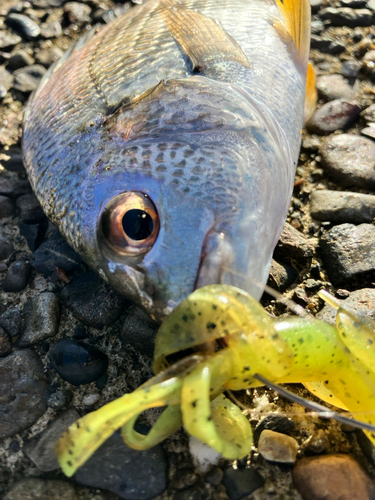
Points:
(164, 146)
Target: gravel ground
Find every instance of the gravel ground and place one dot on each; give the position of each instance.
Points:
(69, 344)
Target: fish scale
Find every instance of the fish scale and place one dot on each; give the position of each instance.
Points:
(192, 107)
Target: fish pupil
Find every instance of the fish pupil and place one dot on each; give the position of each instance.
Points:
(137, 224)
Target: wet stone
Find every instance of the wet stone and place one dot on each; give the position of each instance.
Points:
(130, 474)
(92, 301)
(23, 392)
(277, 447)
(46, 57)
(350, 69)
(17, 277)
(369, 131)
(8, 41)
(60, 399)
(334, 115)
(42, 489)
(332, 87)
(320, 43)
(273, 422)
(56, 252)
(317, 444)
(27, 79)
(42, 319)
(5, 345)
(23, 25)
(281, 276)
(33, 233)
(369, 114)
(30, 210)
(6, 78)
(139, 330)
(20, 59)
(15, 164)
(345, 16)
(348, 252)
(41, 449)
(50, 30)
(13, 188)
(77, 12)
(342, 206)
(293, 245)
(10, 321)
(6, 207)
(6, 248)
(350, 160)
(240, 483)
(77, 362)
(360, 302)
(337, 477)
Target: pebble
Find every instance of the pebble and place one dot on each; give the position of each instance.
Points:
(360, 301)
(281, 276)
(342, 206)
(20, 59)
(17, 277)
(350, 69)
(277, 447)
(42, 489)
(50, 30)
(366, 446)
(10, 321)
(139, 330)
(130, 474)
(5, 345)
(46, 57)
(8, 41)
(6, 78)
(23, 25)
(332, 87)
(6, 207)
(41, 449)
(369, 131)
(350, 160)
(76, 12)
(334, 115)
(241, 482)
(6, 248)
(317, 444)
(13, 188)
(92, 301)
(77, 362)
(369, 114)
(42, 318)
(333, 477)
(293, 245)
(56, 252)
(27, 79)
(33, 233)
(60, 399)
(273, 422)
(14, 163)
(23, 392)
(90, 399)
(30, 210)
(3, 92)
(348, 253)
(345, 16)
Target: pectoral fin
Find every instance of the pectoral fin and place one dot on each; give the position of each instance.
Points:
(311, 95)
(200, 37)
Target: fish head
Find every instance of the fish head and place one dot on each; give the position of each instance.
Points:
(186, 200)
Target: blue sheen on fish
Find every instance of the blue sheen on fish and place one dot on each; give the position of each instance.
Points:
(164, 147)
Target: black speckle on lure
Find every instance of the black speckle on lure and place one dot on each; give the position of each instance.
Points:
(164, 146)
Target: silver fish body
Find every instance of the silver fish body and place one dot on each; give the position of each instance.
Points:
(195, 139)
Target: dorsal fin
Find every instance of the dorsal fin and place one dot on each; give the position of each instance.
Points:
(297, 15)
(200, 37)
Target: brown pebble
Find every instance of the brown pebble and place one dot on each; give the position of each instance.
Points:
(317, 444)
(277, 447)
(332, 477)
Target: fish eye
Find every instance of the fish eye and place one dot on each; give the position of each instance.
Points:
(130, 223)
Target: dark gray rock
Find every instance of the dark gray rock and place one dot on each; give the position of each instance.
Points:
(46, 57)
(360, 302)
(92, 301)
(354, 4)
(76, 12)
(78, 363)
(369, 131)
(320, 43)
(6, 248)
(6, 78)
(42, 489)
(131, 474)
(27, 79)
(10, 321)
(30, 210)
(23, 392)
(17, 277)
(332, 87)
(293, 245)
(5, 345)
(13, 187)
(41, 449)
(15, 164)
(350, 159)
(50, 30)
(315, 5)
(281, 276)
(350, 69)
(139, 330)
(334, 115)
(42, 319)
(317, 444)
(241, 482)
(56, 252)
(20, 59)
(342, 206)
(347, 17)
(23, 25)
(273, 422)
(8, 41)
(33, 233)
(348, 252)
(60, 399)
(6, 207)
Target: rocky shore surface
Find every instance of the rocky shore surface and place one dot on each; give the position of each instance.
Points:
(69, 343)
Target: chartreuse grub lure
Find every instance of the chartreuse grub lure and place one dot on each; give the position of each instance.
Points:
(224, 340)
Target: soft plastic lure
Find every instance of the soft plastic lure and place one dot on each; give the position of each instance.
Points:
(236, 345)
